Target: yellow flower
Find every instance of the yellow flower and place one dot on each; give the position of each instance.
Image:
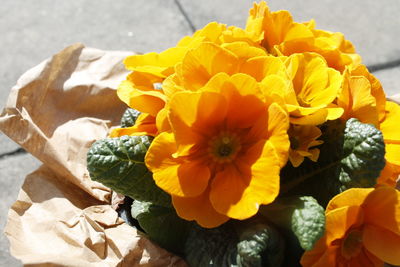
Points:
(274, 28)
(362, 96)
(213, 162)
(142, 89)
(362, 229)
(303, 142)
(208, 59)
(314, 88)
(280, 35)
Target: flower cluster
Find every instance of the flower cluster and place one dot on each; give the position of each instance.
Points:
(230, 107)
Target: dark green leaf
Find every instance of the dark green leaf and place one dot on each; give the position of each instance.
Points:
(119, 164)
(212, 247)
(129, 117)
(303, 216)
(162, 225)
(363, 155)
(249, 243)
(260, 245)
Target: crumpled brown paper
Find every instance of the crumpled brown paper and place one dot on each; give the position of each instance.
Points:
(62, 218)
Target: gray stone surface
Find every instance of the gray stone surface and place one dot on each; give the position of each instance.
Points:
(372, 26)
(6, 144)
(13, 170)
(390, 79)
(32, 31)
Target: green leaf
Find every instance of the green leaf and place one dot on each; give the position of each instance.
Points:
(303, 216)
(260, 245)
(119, 164)
(244, 244)
(129, 117)
(211, 247)
(364, 155)
(352, 155)
(162, 225)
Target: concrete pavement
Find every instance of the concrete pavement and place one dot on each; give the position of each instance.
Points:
(32, 31)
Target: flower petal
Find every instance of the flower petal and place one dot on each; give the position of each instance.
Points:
(199, 209)
(195, 115)
(240, 189)
(350, 197)
(208, 59)
(278, 125)
(147, 101)
(382, 243)
(340, 220)
(144, 125)
(382, 208)
(172, 175)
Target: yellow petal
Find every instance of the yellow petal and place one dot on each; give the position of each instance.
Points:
(194, 115)
(261, 67)
(145, 101)
(350, 197)
(172, 175)
(200, 64)
(278, 125)
(357, 101)
(382, 208)
(160, 65)
(382, 243)
(243, 50)
(340, 220)
(199, 209)
(239, 191)
(144, 125)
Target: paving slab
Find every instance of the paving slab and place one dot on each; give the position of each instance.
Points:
(32, 31)
(372, 26)
(390, 80)
(13, 171)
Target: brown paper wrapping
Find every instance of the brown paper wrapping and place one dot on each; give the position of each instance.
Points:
(61, 217)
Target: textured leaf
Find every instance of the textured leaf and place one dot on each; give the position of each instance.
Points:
(129, 117)
(352, 155)
(212, 247)
(162, 225)
(303, 216)
(363, 155)
(119, 164)
(244, 244)
(260, 245)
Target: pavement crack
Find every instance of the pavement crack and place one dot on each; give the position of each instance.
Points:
(384, 66)
(185, 15)
(17, 151)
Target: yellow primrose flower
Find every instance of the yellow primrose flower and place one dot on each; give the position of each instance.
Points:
(213, 162)
(281, 36)
(302, 143)
(208, 59)
(362, 229)
(142, 89)
(356, 99)
(314, 88)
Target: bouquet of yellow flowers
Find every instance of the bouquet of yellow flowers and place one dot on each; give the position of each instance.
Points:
(265, 146)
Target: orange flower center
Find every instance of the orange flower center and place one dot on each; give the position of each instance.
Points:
(224, 147)
(352, 244)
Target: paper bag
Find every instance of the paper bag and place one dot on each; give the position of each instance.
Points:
(62, 217)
